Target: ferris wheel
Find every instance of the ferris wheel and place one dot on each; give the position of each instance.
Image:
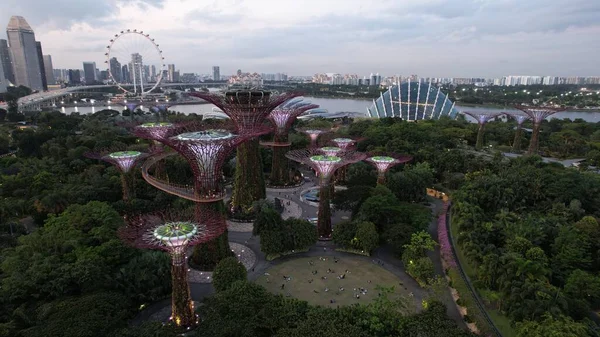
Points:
(134, 62)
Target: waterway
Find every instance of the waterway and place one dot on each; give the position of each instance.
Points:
(337, 105)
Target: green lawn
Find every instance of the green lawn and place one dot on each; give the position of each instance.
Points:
(359, 274)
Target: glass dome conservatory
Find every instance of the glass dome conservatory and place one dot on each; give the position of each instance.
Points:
(413, 101)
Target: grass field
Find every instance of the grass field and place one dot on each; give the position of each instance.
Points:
(359, 274)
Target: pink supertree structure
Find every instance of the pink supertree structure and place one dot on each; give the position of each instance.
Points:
(384, 162)
(131, 105)
(173, 233)
(206, 150)
(325, 166)
(282, 119)
(345, 144)
(124, 161)
(313, 134)
(482, 118)
(160, 109)
(537, 115)
(248, 109)
(520, 118)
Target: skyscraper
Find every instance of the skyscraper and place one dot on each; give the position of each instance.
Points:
(136, 67)
(26, 63)
(6, 61)
(216, 73)
(40, 54)
(89, 72)
(125, 74)
(49, 70)
(3, 83)
(74, 76)
(171, 72)
(115, 69)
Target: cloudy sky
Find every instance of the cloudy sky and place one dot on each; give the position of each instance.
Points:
(442, 38)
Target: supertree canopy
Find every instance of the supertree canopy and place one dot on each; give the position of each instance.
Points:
(537, 115)
(345, 144)
(331, 150)
(325, 166)
(384, 162)
(124, 161)
(248, 109)
(160, 109)
(313, 134)
(174, 234)
(482, 118)
(520, 120)
(282, 118)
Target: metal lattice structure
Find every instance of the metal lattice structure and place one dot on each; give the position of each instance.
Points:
(537, 115)
(248, 109)
(325, 166)
(282, 119)
(313, 134)
(482, 118)
(124, 161)
(520, 118)
(331, 150)
(384, 162)
(173, 233)
(345, 144)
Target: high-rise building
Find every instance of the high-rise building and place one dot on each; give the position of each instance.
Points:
(176, 76)
(171, 72)
(136, 69)
(125, 74)
(89, 72)
(3, 84)
(115, 69)
(74, 76)
(6, 61)
(216, 73)
(40, 53)
(49, 70)
(26, 63)
(153, 73)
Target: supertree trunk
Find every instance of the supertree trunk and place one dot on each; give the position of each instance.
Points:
(207, 255)
(249, 180)
(324, 216)
(280, 170)
(181, 299)
(479, 143)
(125, 187)
(534, 143)
(517, 142)
(381, 178)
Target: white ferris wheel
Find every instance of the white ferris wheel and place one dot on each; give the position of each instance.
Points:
(134, 62)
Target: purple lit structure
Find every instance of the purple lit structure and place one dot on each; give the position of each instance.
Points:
(482, 118)
(345, 144)
(282, 118)
(248, 109)
(325, 166)
(384, 162)
(174, 234)
(519, 131)
(313, 134)
(537, 115)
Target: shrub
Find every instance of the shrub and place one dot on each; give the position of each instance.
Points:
(367, 238)
(304, 234)
(344, 233)
(227, 272)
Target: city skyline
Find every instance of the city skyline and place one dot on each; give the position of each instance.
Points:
(433, 38)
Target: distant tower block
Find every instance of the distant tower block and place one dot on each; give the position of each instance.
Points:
(325, 166)
(519, 131)
(282, 118)
(174, 236)
(124, 161)
(537, 115)
(482, 118)
(248, 109)
(313, 134)
(384, 163)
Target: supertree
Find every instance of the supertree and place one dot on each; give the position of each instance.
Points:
(173, 233)
(124, 161)
(520, 120)
(160, 109)
(206, 151)
(482, 118)
(131, 106)
(384, 162)
(325, 166)
(248, 109)
(313, 134)
(282, 118)
(537, 115)
(345, 144)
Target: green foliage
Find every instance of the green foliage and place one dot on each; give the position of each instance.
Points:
(227, 272)
(552, 327)
(207, 255)
(410, 185)
(146, 287)
(367, 238)
(421, 270)
(344, 233)
(149, 329)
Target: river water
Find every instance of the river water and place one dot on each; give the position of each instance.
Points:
(336, 105)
